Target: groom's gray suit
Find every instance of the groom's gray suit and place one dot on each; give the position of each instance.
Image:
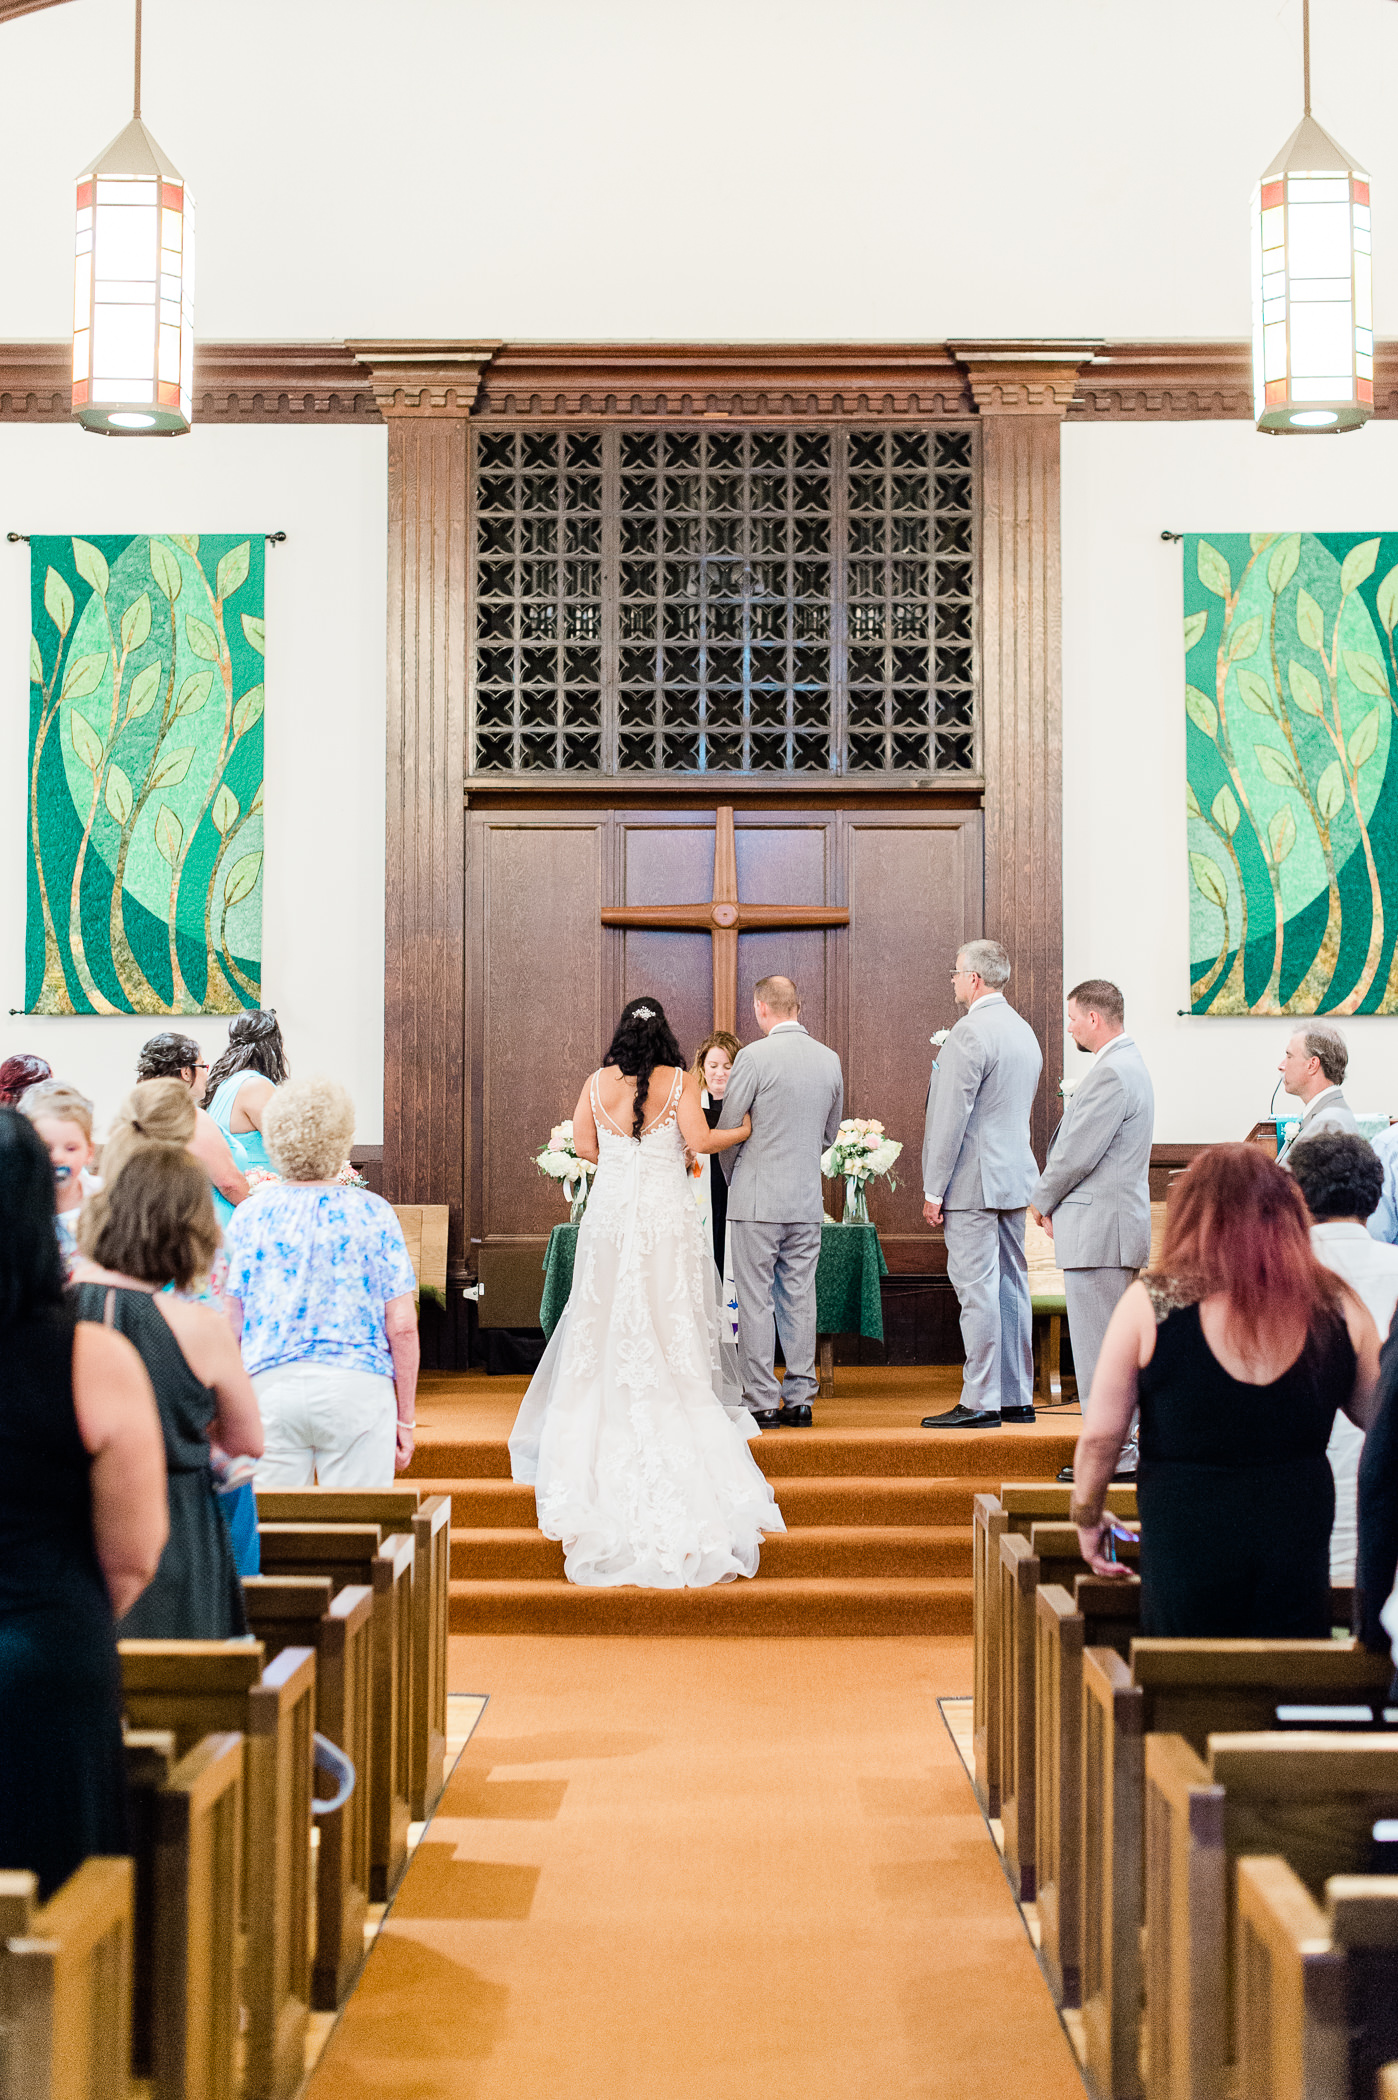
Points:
(795, 1091)
(977, 1163)
(1095, 1188)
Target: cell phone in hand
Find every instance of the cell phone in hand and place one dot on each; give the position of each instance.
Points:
(1111, 1532)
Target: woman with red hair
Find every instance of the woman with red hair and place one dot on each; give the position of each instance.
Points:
(1238, 1349)
(18, 1074)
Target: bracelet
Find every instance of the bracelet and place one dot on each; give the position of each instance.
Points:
(1083, 1515)
(401, 1424)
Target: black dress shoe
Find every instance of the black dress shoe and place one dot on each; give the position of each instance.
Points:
(767, 1417)
(797, 1416)
(960, 1417)
(1016, 1414)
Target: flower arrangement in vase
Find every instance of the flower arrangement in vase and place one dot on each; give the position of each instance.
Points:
(862, 1149)
(559, 1161)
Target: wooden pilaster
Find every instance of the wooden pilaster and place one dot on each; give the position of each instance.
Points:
(425, 393)
(1022, 392)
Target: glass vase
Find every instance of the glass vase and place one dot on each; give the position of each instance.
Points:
(856, 1201)
(579, 1203)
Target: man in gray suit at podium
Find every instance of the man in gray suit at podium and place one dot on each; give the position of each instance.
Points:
(795, 1090)
(1093, 1197)
(977, 1171)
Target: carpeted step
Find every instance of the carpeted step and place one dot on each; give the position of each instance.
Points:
(503, 1505)
(796, 1606)
(846, 1550)
(1001, 1454)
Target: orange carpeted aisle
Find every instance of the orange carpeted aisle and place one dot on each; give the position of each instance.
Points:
(704, 1869)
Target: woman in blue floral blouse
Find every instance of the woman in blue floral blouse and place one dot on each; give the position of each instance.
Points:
(321, 1291)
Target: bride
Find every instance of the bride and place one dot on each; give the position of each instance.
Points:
(632, 1432)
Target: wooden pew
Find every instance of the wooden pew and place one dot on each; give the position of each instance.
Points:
(1190, 1688)
(1060, 1559)
(356, 1553)
(300, 1611)
(1112, 1781)
(65, 1985)
(1289, 1988)
(988, 1525)
(1314, 1995)
(1019, 1579)
(428, 1518)
(197, 1848)
(1030, 1502)
(1111, 1611)
(198, 1688)
(1058, 1653)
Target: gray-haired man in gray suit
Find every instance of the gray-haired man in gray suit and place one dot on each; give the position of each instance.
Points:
(1093, 1197)
(1313, 1068)
(977, 1171)
(795, 1091)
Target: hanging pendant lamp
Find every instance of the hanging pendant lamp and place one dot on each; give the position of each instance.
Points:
(1312, 297)
(133, 288)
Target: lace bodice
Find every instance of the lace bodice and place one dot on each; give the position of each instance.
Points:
(667, 1121)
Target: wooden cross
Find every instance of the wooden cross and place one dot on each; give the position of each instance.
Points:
(723, 918)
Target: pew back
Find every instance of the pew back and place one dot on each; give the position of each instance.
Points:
(1058, 1653)
(286, 1610)
(1289, 1987)
(1018, 1580)
(1029, 1502)
(198, 1846)
(1111, 1610)
(1186, 1930)
(1199, 1688)
(195, 1688)
(1060, 1559)
(65, 1985)
(1113, 1778)
(988, 1525)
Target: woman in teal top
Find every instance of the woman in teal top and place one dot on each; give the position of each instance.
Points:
(242, 1083)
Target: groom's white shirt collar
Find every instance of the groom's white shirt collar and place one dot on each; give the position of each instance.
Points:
(777, 1027)
(1114, 1042)
(987, 999)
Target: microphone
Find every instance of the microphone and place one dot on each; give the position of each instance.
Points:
(1272, 1111)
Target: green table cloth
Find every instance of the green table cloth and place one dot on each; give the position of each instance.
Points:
(847, 1279)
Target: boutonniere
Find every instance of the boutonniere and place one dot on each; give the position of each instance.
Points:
(1068, 1087)
(937, 1042)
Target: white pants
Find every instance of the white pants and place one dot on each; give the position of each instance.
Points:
(325, 1425)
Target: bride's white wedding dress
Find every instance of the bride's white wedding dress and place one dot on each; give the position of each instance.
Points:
(632, 1432)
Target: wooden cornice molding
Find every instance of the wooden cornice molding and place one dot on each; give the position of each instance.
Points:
(1026, 378)
(750, 381)
(233, 383)
(1195, 382)
(425, 379)
(329, 383)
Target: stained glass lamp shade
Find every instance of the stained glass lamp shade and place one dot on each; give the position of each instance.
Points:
(133, 292)
(1312, 303)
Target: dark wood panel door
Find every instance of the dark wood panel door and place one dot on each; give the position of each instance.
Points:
(914, 889)
(546, 980)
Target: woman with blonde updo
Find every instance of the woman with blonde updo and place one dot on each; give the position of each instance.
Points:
(322, 1293)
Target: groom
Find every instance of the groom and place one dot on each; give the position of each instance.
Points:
(795, 1091)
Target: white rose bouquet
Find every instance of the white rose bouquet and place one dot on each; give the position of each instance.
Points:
(560, 1163)
(862, 1149)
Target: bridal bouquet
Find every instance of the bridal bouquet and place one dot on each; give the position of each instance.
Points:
(560, 1162)
(862, 1149)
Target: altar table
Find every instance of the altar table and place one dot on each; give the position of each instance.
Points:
(847, 1287)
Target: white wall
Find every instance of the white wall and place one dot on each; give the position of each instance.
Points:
(789, 170)
(322, 928)
(1125, 881)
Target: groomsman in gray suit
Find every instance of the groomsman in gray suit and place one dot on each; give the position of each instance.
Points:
(1313, 1070)
(977, 1171)
(1093, 1197)
(795, 1090)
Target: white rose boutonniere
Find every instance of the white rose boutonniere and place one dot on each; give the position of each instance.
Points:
(939, 1038)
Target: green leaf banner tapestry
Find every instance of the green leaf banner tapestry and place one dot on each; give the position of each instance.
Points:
(1291, 698)
(144, 818)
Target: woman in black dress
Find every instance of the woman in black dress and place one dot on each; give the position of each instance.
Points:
(713, 1061)
(82, 1523)
(1238, 1350)
(148, 1233)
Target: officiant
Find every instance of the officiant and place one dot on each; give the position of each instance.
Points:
(713, 1061)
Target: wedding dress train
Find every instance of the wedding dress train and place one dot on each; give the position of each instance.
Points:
(632, 1432)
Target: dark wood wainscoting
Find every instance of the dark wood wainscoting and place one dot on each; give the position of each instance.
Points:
(545, 979)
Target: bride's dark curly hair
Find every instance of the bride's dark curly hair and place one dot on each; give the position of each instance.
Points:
(641, 1042)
